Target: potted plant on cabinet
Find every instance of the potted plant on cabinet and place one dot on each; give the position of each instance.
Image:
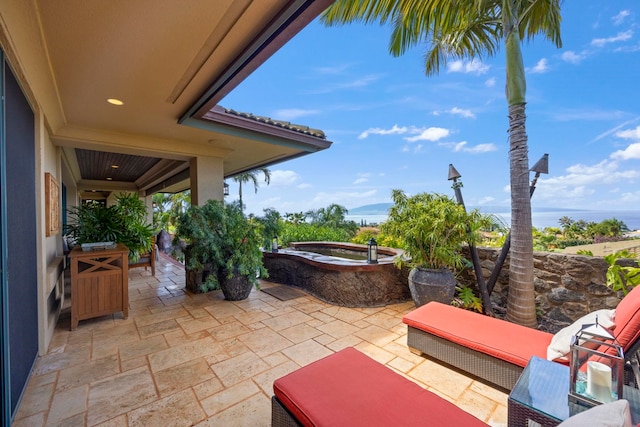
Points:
(123, 222)
(431, 228)
(222, 248)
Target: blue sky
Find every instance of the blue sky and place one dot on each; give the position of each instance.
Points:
(393, 127)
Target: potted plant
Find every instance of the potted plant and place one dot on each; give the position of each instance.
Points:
(431, 228)
(221, 247)
(123, 222)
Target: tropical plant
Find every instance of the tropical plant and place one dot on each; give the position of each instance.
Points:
(467, 299)
(305, 232)
(251, 176)
(622, 278)
(271, 226)
(295, 217)
(219, 235)
(432, 228)
(124, 222)
(470, 29)
(334, 216)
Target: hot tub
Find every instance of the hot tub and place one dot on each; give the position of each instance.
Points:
(328, 271)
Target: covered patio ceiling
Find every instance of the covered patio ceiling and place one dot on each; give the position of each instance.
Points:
(170, 63)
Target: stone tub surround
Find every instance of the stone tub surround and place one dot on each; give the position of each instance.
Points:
(340, 281)
(185, 359)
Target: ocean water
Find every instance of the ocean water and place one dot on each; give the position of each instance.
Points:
(539, 220)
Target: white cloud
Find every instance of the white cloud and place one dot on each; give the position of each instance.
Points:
(490, 82)
(395, 130)
(283, 178)
(629, 153)
(474, 66)
(620, 37)
(619, 18)
(464, 147)
(629, 134)
(581, 180)
(429, 134)
(304, 185)
(540, 67)
(362, 178)
(457, 112)
(293, 113)
(572, 57)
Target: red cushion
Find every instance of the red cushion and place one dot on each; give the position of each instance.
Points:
(498, 338)
(627, 319)
(349, 388)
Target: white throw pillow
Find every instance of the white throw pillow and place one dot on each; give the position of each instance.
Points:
(614, 414)
(561, 342)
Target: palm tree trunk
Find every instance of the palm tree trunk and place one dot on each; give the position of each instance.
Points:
(240, 194)
(521, 300)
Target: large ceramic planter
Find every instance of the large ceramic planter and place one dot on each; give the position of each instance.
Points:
(236, 287)
(431, 285)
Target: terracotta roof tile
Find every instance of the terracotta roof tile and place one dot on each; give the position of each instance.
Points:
(279, 123)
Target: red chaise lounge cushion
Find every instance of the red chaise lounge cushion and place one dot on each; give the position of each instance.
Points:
(349, 388)
(498, 338)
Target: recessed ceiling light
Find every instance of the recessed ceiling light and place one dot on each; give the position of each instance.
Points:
(115, 101)
(109, 179)
(115, 166)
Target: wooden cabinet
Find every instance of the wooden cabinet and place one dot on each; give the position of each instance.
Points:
(99, 283)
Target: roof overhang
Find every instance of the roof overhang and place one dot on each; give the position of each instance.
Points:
(170, 62)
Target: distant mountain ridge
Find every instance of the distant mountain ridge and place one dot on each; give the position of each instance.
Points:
(375, 209)
(383, 209)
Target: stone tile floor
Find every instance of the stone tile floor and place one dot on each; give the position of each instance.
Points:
(182, 359)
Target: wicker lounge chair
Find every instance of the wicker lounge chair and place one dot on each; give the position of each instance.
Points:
(496, 351)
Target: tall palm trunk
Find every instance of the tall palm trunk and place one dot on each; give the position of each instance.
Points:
(521, 300)
(521, 306)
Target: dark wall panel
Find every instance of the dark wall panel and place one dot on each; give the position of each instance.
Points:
(21, 238)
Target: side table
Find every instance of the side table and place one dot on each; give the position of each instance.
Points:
(541, 394)
(99, 283)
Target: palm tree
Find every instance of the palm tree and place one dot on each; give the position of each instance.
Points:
(467, 29)
(251, 176)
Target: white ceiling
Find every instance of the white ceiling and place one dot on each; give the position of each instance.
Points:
(159, 57)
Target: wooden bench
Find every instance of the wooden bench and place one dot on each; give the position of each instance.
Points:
(349, 388)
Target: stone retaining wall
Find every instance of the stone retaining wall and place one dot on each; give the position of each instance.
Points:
(567, 286)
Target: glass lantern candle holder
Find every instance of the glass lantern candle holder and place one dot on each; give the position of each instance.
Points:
(596, 369)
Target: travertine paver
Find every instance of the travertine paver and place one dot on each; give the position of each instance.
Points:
(185, 359)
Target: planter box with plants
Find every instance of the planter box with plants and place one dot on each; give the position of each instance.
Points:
(95, 224)
(222, 249)
(431, 228)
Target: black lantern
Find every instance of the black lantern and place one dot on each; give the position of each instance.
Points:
(225, 189)
(372, 251)
(274, 244)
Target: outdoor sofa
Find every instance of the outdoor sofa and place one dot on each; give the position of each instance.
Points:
(497, 351)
